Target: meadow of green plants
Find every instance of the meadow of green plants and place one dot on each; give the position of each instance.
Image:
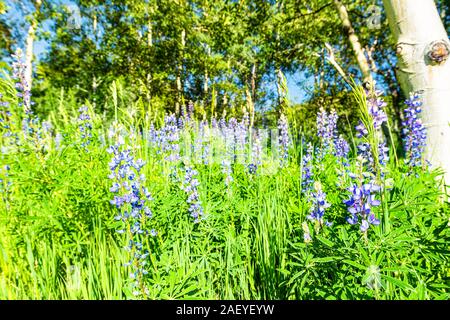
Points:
(149, 205)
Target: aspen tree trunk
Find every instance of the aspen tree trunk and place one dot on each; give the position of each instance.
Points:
(206, 78)
(423, 48)
(150, 33)
(30, 45)
(179, 71)
(279, 89)
(354, 41)
(149, 44)
(253, 83)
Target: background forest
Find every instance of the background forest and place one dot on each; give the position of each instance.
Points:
(224, 149)
(222, 55)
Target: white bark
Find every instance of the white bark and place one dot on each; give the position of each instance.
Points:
(206, 78)
(179, 71)
(150, 33)
(422, 49)
(354, 41)
(30, 45)
(29, 54)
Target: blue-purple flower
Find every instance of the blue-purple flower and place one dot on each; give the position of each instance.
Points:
(84, 126)
(319, 203)
(189, 186)
(341, 150)
(376, 104)
(283, 140)
(326, 130)
(414, 132)
(256, 156)
(362, 200)
(307, 169)
(227, 170)
(22, 87)
(131, 201)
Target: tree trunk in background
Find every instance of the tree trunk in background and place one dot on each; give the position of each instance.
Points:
(149, 44)
(279, 76)
(253, 83)
(206, 78)
(30, 45)
(354, 41)
(422, 50)
(179, 72)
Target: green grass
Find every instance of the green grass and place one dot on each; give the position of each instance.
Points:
(58, 238)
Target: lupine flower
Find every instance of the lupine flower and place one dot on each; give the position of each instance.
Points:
(376, 104)
(170, 137)
(152, 135)
(307, 169)
(361, 130)
(190, 110)
(205, 142)
(214, 123)
(23, 90)
(377, 117)
(362, 200)
(30, 124)
(414, 133)
(85, 126)
(241, 133)
(383, 154)
(283, 141)
(360, 205)
(47, 126)
(222, 123)
(332, 124)
(256, 160)
(246, 120)
(364, 150)
(180, 123)
(58, 141)
(189, 186)
(341, 150)
(226, 169)
(200, 146)
(252, 168)
(318, 205)
(229, 137)
(130, 199)
(197, 146)
(326, 130)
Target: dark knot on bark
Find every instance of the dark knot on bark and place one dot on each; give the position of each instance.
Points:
(438, 51)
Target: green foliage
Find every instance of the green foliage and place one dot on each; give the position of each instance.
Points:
(58, 238)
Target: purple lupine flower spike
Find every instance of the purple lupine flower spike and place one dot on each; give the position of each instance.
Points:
(414, 132)
(318, 205)
(307, 169)
(189, 186)
(284, 141)
(85, 126)
(362, 200)
(130, 199)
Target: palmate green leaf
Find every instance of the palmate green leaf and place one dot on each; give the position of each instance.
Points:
(326, 259)
(325, 241)
(397, 269)
(355, 264)
(397, 282)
